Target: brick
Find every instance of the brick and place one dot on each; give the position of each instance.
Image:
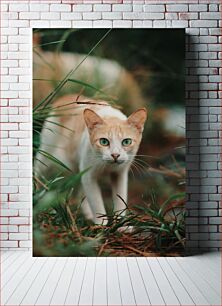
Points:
(60, 7)
(102, 7)
(82, 24)
(122, 23)
(82, 8)
(112, 15)
(197, 7)
(43, 7)
(134, 15)
(203, 23)
(94, 15)
(208, 16)
(18, 236)
(177, 8)
(9, 244)
(121, 7)
(70, 16)
(154, 8)
(102, 24)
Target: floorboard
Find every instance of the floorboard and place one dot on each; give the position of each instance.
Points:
(193, 280)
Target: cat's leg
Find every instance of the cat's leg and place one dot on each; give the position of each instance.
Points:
(86, 209)
(119, 190)
(94, 197)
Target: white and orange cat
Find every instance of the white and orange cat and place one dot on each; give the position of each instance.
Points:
(103, 140)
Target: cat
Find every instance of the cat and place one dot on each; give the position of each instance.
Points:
(103, 140)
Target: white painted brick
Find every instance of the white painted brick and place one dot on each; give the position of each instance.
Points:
(112, 15)
(18, 7)
(93, 15)
(60, 24)
(122, 23)
(9, 142)
(122, 7)
(29, 15)
(35, 7)
(9, 126)
(147, 24)
(9, 173)
(82, 8)
(177, 8)
(71, 16)
(102, 7)
(19, 102)
(60, 8)
(137, 7)
(25, 244)
(9, 244)
(4, 220)
(9, 212)
(197, 7)
(102, 24)
(82, 23)
(51, 16)
(154, 8)
(24, 212)
(213, 7)
(203, 23)
(18, 23)
(137, 23)
(24, 229)
(9, 63)
(207, 15)
(133, 15)
(162, 23)
(180, 23)
(18, 236)
(171, 16)
(19, 118)
(39, 23)
(13, 47)
(9, 31)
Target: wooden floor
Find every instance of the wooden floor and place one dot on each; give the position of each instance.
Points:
(110, 281)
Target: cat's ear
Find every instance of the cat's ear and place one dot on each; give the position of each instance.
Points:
(92, 119)
(138, 118)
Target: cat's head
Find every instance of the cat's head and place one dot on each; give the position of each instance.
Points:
(115, 140)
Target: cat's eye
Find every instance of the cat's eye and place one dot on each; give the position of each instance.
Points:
(104, 142)
(126, 142)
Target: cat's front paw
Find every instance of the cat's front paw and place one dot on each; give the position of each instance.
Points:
(101, 221)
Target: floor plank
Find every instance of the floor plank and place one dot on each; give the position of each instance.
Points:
(180, 291)
(13, 269)
(208, 292)
(47, 292)
(74, 290)
(190, 286)
(126, 289)
(165, 287)
(86, 294)
(17, 278)
(154, 293)
(18, 294)
(61, 290)
(100, 283)
(39, 282)
(113, 284)
(139, 289)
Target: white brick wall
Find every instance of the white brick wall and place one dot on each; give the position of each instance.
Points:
(200, 18)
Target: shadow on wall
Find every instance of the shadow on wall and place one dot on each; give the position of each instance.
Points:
(193, 137)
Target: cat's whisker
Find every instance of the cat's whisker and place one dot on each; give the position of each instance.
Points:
(142, 162)
(141, 167)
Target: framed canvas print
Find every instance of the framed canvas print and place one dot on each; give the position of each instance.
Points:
(108, 142)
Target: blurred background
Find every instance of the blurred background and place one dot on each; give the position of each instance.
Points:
(131, 68)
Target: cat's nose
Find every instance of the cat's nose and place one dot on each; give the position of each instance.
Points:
(115, 156)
